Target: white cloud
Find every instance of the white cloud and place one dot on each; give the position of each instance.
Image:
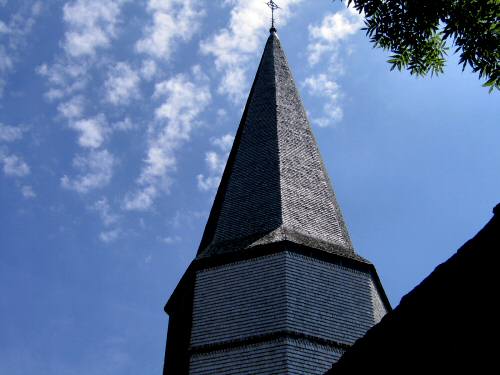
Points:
(15, 166)
(207, 183)
(122, 84)
(64, 78)
(5, 60)
(169, 240)
(93, 131)
(91, 25)
(4, 29)
(326, 39)
(125, 125)
(103, 208)
(141, 200)
(96, 171)
(234, 46)
(215, 162)
(321, 85)
(334, 28)
(172, 20)
(148, 69)
(10, 133)
(20, 25)
(110, 235)
(15, 32)
(176, 117)
(110, 220)
(28, 192)
(73, 108)
(224, 142)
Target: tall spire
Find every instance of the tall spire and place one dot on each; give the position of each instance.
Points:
(275, 186)
(276, 287)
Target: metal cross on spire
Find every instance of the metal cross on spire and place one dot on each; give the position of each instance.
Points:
(271, 4)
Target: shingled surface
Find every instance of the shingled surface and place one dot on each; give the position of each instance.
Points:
(315, 308)
(275, 186)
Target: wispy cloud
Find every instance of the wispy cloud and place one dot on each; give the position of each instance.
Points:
(11, 133)
(335, 28)
(108, 236)
(326, 40)
(28, 192)
(234, 46)
(4, 29)
(13, 36)
(73, 108)
(65, 78)
(321, 85)
(87, 60)
(92, 131)
(96, 171)
(91, 25)
(124, 125)
(110, 220)
(122, 84)
(148, 69)
(183, 100)
(171, 20)
(215, 161)
(14, 166)
(169, 240)
(103, 208)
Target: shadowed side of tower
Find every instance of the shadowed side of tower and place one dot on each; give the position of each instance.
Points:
(276, 287)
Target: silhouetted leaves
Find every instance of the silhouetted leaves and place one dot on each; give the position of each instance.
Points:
(417, 32)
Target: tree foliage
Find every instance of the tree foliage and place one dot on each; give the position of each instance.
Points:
(419, 34)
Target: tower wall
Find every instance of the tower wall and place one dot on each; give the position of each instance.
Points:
(284, 308)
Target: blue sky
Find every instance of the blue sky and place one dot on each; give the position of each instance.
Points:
(115, 121)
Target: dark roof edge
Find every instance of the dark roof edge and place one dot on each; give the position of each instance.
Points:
(419, 294)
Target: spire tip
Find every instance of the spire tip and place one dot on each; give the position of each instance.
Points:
(273, 6)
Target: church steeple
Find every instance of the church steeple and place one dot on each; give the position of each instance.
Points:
(274, 186)
(276, 287)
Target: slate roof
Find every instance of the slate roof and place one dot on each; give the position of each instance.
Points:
(447, 324)
(275, 186)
